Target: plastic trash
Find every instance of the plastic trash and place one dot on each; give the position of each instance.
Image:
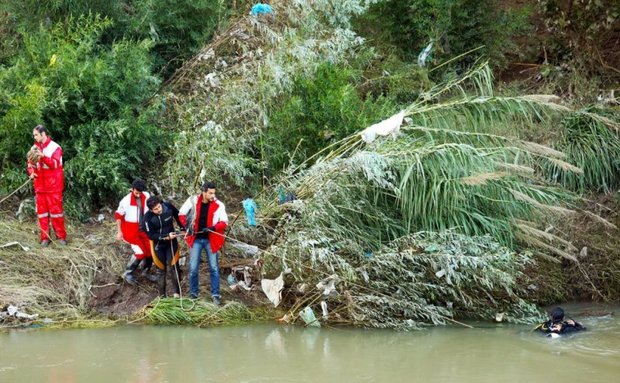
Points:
(231, 279)
(250, 210)
(273, 289)
(247, 276)
(302, 288)
(307, 315)
(13, 311)
(281, 195)
(324, 309)
(383, 128)
(15, 243)
(328, 285)
(284, 197)
(261, 9)
(425, 54)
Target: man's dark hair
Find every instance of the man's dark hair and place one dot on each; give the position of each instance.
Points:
(208, 185)
(41, 129)
(557, 314)
(153, 201)
(139, 185)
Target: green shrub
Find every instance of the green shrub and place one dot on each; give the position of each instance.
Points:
(108, 154)
(454, 27)
(91, 98)
(321, 109)
(179, 28)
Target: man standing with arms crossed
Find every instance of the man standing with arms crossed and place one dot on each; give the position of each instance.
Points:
(205, 218)
(46, 172)
(130, 219)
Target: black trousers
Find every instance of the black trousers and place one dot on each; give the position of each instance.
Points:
(167, 256)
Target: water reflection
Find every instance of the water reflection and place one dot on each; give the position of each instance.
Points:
(488, 353)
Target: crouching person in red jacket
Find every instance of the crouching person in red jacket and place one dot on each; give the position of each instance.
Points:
(46, 172)
(130, 219)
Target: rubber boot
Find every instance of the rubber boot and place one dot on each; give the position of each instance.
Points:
(146, 267)
(161, 283)
(132, 265)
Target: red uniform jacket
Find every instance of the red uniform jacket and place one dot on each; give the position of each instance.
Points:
(50, 174)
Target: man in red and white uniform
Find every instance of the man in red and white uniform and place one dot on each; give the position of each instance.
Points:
(130, 219)
(49, 182)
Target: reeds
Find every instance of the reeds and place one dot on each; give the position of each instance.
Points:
(200, 313)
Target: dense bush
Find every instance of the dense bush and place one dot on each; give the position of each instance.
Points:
(454, 27)
(88, 96)
(178, 28)
(580, 29)
(321, 109)
(581, 57)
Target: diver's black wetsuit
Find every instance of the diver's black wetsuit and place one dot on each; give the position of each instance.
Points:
(565, 329)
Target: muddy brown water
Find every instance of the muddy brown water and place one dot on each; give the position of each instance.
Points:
(270, 353)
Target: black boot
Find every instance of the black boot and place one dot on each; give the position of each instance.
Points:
(132, 265)
(161, 283)
(146, 267)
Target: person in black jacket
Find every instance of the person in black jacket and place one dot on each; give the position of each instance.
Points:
(159, 227)
(557, 324)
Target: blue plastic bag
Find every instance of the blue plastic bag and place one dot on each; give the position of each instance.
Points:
(260, 8)
(250, 210)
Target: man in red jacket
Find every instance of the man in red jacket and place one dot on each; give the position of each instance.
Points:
(130, 219)
(205, 218)
(47, 175)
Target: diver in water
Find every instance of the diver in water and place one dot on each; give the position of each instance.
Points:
(557, 325)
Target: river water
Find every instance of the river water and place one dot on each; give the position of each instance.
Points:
(270, 353)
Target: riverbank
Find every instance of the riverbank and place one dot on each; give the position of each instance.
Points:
(80, 285)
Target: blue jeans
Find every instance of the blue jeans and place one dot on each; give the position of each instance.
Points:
(194, 264)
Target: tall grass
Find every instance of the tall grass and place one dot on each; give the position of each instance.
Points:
(594, 147)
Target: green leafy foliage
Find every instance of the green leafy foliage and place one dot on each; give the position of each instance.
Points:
(179, 28)
(579, 29)
(581, 58)
(321, 109)
(361, 205)
(90, 97)
(454, 27)
(110, 153)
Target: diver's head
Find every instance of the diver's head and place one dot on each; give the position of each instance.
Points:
(557, 314)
